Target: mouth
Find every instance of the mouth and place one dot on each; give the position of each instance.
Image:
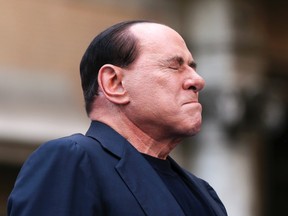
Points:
(195, 105)
(191, 102)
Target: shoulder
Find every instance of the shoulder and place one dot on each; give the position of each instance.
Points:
(69, 145)
(61, 159)
(62, 143)
(62, 154)
(61, 170)
(56, 148)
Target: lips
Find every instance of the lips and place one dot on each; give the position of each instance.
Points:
(191, 102)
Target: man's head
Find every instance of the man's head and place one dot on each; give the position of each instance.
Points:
(116, 46)
(153, 83)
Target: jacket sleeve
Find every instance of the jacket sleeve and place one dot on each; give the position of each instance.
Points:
(55, 180)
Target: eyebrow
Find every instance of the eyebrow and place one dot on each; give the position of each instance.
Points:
(180, 61)
(193, 65)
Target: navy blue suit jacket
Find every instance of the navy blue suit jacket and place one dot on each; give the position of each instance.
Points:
(97, 174)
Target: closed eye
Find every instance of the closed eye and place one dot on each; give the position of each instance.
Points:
(176, 62)
(173, 68)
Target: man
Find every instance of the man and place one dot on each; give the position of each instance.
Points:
(141, 92)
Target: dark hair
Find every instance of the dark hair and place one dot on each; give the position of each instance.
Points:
(115, 45)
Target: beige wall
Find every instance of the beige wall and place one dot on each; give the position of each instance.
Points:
(42, 43)
(51, 36)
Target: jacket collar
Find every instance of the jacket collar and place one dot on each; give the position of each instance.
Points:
(136, 172)
(142, 180)
(108, 138)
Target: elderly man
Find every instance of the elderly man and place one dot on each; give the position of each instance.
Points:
(141, 93)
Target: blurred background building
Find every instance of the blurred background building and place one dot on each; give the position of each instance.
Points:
(241, 47)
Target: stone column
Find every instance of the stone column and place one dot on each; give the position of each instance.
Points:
(222, 159)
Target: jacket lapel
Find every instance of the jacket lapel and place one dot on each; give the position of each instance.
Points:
(203, 191)
(146, 185)
(136, 172)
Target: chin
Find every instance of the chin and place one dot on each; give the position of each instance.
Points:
(195, 128)
(186, 132)
(194, 131)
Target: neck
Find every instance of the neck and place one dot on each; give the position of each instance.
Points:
(142, 141)
(148, 145)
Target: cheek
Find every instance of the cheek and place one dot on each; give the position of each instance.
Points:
(141, 96)
(141, 89)
(161, 92)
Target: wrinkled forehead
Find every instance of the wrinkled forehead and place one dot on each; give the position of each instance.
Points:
(158, 38)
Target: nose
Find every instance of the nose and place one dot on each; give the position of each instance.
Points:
(195, 83)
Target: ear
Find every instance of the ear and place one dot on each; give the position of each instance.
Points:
(110, 79)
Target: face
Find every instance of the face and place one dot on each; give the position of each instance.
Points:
(163, 85)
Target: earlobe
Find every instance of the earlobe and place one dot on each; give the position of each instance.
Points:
(110, 79)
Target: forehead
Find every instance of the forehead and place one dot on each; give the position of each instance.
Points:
(160, 40)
